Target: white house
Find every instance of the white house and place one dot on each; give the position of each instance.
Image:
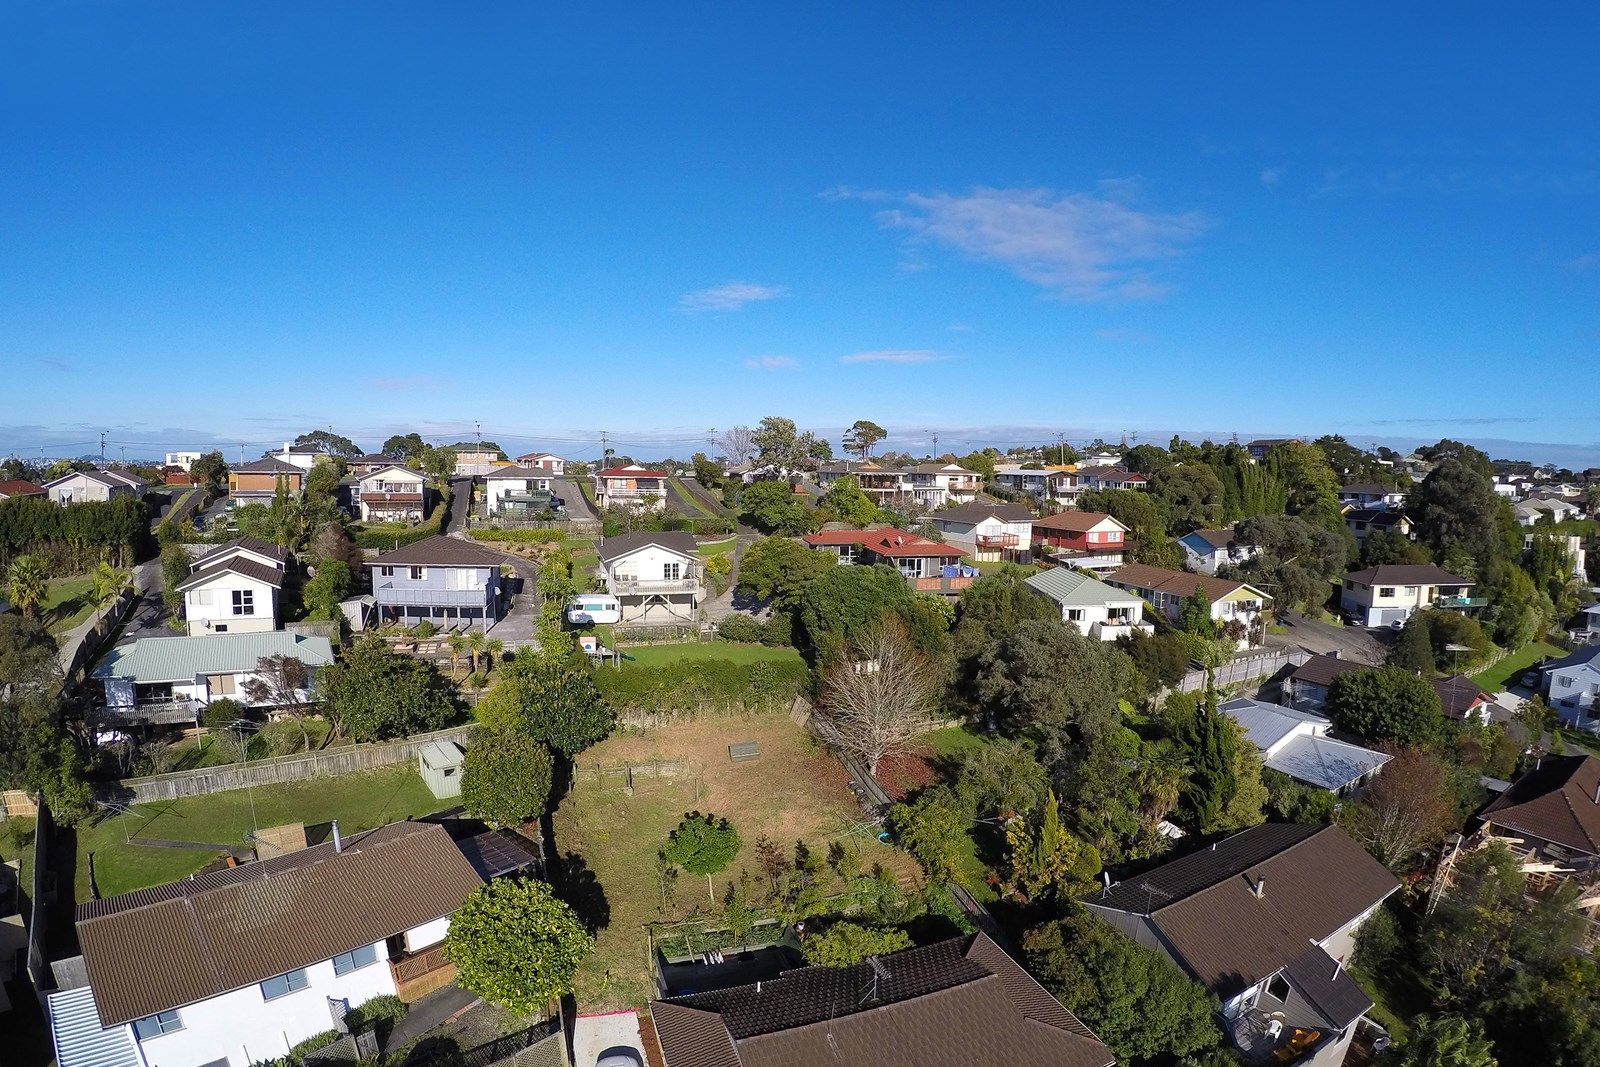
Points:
(516, 491)
(544, 461)
(1207, 550)
(923, 487)
(234, 588)
(1296, 743)
(1094, 608)
(1390, 594)
(1039, 483)
(87, 487)
(169, 679)
(987, 532)
(182, 459)
(304, 458)
(1572, 687)
(1234, 606)
(1547, 508)
(1372, 495)
(392, 494)
(632, 486)
(204, 973)
(654, 576)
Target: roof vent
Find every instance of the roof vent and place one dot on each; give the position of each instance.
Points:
(338, 842)
(1260, 888)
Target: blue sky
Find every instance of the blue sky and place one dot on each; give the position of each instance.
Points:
(227, 223)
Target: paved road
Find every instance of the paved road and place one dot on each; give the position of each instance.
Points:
(577, 504)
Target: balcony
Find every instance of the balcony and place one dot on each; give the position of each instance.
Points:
(390, 595)
(166, 712)
(625, 584)
(1461, 602)
(997, 541)
(638, 491)
(1110, 631)
(939, 585)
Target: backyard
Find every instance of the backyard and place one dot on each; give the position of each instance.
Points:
(67, 603)
(655, 655)
(358, 801)
(793, 791)
(1497, 677)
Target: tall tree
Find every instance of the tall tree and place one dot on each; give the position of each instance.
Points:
(1297, 560)
(505, 777)
(1046, 859)
(328, 442)
(845, 502)
(211, 472)
(27, 583)
(1050, 681)
(738, 444)
(862, 436)
(1446, 1041)
(1386, 705)
(882, 696)
(777, 443)
(514, 944)
(404, 446)
(1408, 807)
(1460, 517)
(773, 506)
(1211, 749)
(780, 569)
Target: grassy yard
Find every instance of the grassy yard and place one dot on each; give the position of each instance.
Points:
(954, 741)
(358, 801)
(16, 843)
(689, 505)
(1495, 678)
(794, 791)
(717, 548)
(700, 650)
(67, 603)
(996, 566)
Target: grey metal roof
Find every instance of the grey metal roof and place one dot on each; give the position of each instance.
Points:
(79, 1038)
(620, 545)
(240, 565)
(265, 549)
(441, 754)
(1325, 762)
(1074, 588)
(1266, 724)
(182, 659)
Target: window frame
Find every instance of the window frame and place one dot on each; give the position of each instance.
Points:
(353, 960)
(417, 574)
(244, 601)
(159, 1022)
(288, 979)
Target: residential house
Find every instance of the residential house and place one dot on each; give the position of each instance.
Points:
(1101, 457)
(257, 482)
(1547, 509)
(1208, 550)
(956, 1003)
(392, 494)
(372, 463)
(176, 476)
(550, 464)
(1266, 921)
(87, 487)
(1306, 689)
(16, 488)
(632, 486)
(1087, 478)
(928, 566)
(1550, 818)
(1571, 686)
(1259, 448)
(1094, 608)
(1392, 593)
(923, 487)
(184, 460)
(1372, 496)
(234, 967)
(987, 532)
(1363, 521)
(1462, 699)
(303, 458)
(234, 588)
(169, 679)
(1589, 626)
(1037, 482)
(1296, 743)
(448, 581)
(1087, 540)
(471, 462)
(1235, 606)
(517, 492)
(656, 577)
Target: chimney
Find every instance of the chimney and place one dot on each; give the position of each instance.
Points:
(1260, 888)
(338, 842)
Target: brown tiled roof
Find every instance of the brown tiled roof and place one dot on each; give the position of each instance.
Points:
(1073, 521)
(250, 544)
(1554, 802)
(242, 565)
(440, 551)
(1459, 695)
(1322, 670)
(1405, 574)
(621, 544)
(17, 487)
(957, 1003)
(1314, 880)
(976, 512)
(175, 944)
(1177, 583)
(269, 465)
(886, 541)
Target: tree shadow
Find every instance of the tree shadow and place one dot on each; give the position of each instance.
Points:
(580, 887)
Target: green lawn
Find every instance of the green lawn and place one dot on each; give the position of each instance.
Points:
(658, 654)
(1495, 678)
(67, 603)
(718, 548)
(950, 741)
(358, 801)
(687, 499)
(16, 843)
(996, 566)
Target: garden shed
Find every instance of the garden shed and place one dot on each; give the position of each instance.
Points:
(440, 764)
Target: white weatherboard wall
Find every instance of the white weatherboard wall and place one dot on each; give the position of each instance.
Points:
(242, 1028)
(211, 605)
(648, 564)
(429, 933)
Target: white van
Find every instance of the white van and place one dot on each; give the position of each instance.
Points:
(588, 608)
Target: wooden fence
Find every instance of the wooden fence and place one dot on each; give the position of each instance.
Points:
(1241, 669)
(334, 761)
(106, 621)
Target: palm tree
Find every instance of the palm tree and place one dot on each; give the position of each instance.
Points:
(28, 583)
(458, 645)
(497, 651)
(105, 583)
(475, 643)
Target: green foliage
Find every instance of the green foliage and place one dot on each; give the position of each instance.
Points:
(1211, 750)
(1161, 659)
(377, 1013)
(1446, 1041)
(781, 570)
(1460, 517)
(845, 944)
(1144, 516)
(1194, 614)
(845, 502)
(1050, 681)
(862, 435)
(1133, 998)
(685, 685)
(376, 693)
(773, 507)
(514, 944)
(222, 713)
(1047, 860)
(1313, 485)
(740, 629)
(702, 844)
(557, 699)
(1386, 705)
(1191, 494)
(1292, 801)
(845, 605)
(211, 472)
(1297, 559)
(300, 1050)
(27, 583)
(933, 828)
(1002, 777)
(519, 536)
(990, 611)
(505, 777)
(1414, 650)
(324, 590)
(77, 536)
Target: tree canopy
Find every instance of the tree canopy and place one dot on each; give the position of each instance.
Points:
(505, 777)
(1386, 705)
(376, 693)
(845, 944)
(514, 944)
(862, 436)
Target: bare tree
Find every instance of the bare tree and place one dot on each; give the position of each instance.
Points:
(738, 444)
(281, 682)
(1408, 808)
(883, 696)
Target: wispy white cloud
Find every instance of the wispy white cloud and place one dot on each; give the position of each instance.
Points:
(1080, 246)
(1271, 176)
(770, 363)
(895, 355)
(731, 296)
(1588, 261)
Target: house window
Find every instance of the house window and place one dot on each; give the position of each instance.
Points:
(1278, 988)
(672, 571)
(417, 573)
(244, 601)
(1386, 590)
(387, 572)
(354, 960)
(1566, 683)
(284, 984)
(1409, 590)
(163, 1022)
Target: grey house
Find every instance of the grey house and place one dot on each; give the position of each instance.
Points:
(1572, 687)
(452, 583)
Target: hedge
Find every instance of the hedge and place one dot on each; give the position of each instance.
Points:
(76, 536)
(388, 538)
(689, 685)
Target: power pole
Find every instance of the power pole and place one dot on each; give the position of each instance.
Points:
(102, 448)
(605, 450)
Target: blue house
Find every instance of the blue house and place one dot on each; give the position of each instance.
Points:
(452, 583)
(1572, 687)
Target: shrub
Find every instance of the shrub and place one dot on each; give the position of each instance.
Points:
(779, 630)
(740, 629)
(379, 1012)
(312, 1043)
(505, 778)
(221, 713)
(423, 629)
(845, 944)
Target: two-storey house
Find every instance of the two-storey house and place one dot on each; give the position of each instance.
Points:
(301, 457)
(471, 462)
(937, 485)
(234, 588)
(1237, 608)
(927, 566)
(1266, 921)
(1037, 482)
(1371, 495)
(257, 482)
(1364, 521)
(1096, 478)
(234, 967)
(632, 486)
(1087, 540)
(1572, 686)
(90, 487)
(371, 463)
(517, 492)
(392, 494)
(448, 581)
(987, 532)
(1392, 593)
(170, 679)
(1206, 551)
(550, 464)
(1296, 743)
(656, 577)
(1089, 605)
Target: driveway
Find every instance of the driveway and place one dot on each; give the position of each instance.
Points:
(1319, 638)
(594, 1034)
(460, 505)
(577, 504)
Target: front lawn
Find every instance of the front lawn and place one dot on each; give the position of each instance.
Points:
(655, 655)
(67, 602)
(358, 801)
(717, 548)
(16, 843)
(996, 566)
(1495, 678)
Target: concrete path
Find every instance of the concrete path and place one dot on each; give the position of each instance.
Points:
(433, 1010)
(596, 1034)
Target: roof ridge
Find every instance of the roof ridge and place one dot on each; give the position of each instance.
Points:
(1239, 874)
